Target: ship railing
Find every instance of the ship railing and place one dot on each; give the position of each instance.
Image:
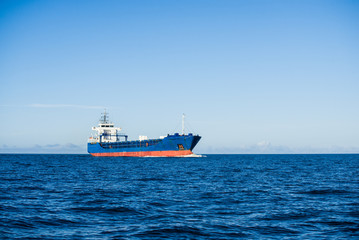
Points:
(114, 136)
(131, 144)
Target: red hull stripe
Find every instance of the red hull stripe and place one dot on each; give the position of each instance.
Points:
(144, 154)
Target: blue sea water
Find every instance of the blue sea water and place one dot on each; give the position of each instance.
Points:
(213, 197)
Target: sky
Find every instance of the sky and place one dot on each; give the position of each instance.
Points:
(251, 76)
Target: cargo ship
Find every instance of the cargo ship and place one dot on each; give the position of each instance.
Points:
(109, 142)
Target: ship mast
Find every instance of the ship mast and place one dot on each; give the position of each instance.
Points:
(104, 117)
(183, 116)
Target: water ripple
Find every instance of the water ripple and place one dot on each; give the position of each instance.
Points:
(216, 197)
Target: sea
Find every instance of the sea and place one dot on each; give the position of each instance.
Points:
(209, 197)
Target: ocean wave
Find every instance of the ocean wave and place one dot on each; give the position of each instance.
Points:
(213, 197)
(177, 231)
(324, 191)
(105, 209)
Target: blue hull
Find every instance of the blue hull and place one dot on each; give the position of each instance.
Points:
(172, 145)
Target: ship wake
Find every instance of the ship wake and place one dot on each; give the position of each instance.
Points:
(184, 156)
(193, 155)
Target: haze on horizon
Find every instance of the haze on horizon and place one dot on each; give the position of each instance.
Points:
(251, 76)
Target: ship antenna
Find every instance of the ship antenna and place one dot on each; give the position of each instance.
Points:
(104, 117)
(183, 116)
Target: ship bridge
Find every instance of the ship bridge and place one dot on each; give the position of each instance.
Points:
(106, 131)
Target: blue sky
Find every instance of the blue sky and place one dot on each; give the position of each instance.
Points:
(251, 76)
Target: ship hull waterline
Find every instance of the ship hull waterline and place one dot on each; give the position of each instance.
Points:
(144, 154)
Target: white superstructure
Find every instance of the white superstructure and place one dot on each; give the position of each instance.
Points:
(106, 131)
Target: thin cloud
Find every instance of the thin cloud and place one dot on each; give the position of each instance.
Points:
(65, 106)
